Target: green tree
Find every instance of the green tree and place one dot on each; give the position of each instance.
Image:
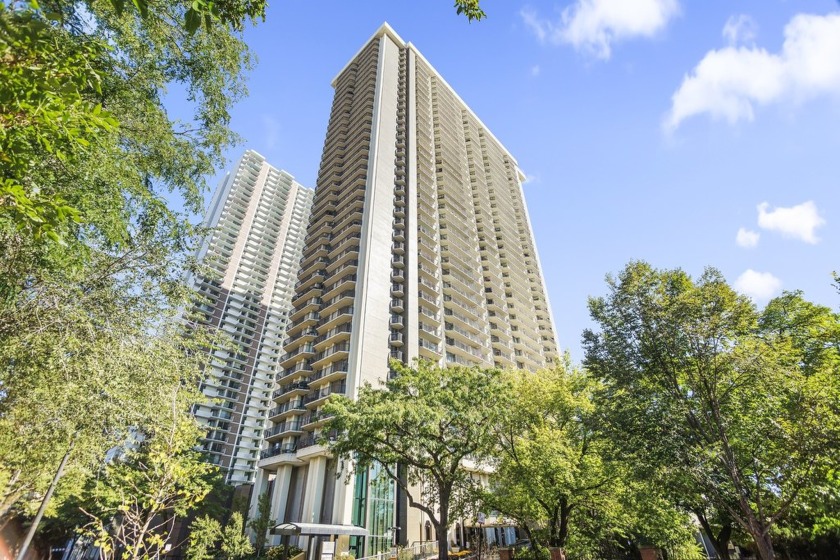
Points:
(205, 533)
(235, 544)
(559, 477)
(261, 523)
(121, 378)
(743, 403)
(428, 420)
(44, 107)
(88, 154)
(85, 137)
(132, 506)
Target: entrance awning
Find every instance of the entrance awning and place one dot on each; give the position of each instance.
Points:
(320, 529)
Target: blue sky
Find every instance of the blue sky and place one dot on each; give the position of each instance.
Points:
(650, 129)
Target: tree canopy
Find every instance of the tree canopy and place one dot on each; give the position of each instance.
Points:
(132, 504)
(559, 477)
(742, 404)
(94, 264)
(428, 420)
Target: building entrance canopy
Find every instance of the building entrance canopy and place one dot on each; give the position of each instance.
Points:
(318, 529)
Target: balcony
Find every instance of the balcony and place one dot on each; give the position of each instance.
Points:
(334, 371)
(313, 291)
(330, 353)
(289, 427)
(301, 386)
(304, 366)
(276, 450)
(334, 318)
(335, 388)
(304, 350)
(315, 419)
(343, 329)
(309, 305)
(343, 298)
(307, 281)
(285, 408)
(306, 333)
(308, 320)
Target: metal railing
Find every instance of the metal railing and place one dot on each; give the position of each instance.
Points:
(418, 551)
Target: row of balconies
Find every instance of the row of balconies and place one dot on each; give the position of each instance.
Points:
(452, 328)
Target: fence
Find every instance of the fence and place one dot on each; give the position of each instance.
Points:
(418, 551)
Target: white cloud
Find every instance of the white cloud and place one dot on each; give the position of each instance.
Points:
(747, 238)
(740, 30)
(594, 25)
(531, 179)
(758, 285)
(728, 83)
(535, 70)
(799, 222)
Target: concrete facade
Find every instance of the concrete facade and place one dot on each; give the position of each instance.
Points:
(418, 246)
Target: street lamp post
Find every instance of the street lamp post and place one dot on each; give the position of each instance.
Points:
(392, 531)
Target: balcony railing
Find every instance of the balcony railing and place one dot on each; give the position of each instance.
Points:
(275, 450)
(301, 385)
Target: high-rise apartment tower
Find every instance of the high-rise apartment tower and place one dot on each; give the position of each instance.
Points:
(419, 246)
(259, 215)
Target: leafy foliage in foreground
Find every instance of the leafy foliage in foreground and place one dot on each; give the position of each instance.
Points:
(733, 410)
(559, 477)
(210, 541)
(133, 504)
(88, 155)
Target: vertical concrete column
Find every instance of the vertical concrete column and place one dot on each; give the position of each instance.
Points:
(371, 320)
(343, 504)
(260, 486)
(412, 286)
(280, 498)
(314, 494)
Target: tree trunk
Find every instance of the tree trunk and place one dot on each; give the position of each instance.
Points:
(443, 528)
(764, 545)
(553, 536)
(528, 533)
(719, 543)
(565, 511)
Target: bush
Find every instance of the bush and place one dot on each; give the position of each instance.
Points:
(276, 552)
(531, 553)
